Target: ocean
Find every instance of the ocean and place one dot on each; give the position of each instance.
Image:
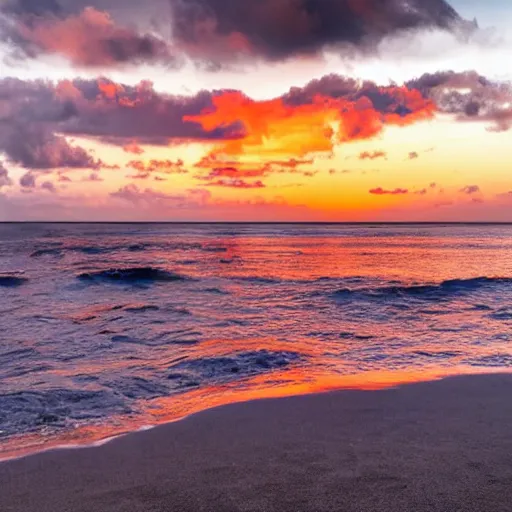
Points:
(111, 328)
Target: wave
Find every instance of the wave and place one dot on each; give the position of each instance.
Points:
(46, 252)
(87, 250)
(213, 248)
(27, 411)
(189, 373)
(12, 280)
(131, 275)
(428, 291)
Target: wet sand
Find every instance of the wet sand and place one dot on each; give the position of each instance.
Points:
(438, 446)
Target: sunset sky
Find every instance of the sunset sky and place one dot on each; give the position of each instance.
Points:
(292, 110)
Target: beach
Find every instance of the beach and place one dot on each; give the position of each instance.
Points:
(436, 446)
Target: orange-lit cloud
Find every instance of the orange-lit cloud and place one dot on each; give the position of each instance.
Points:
(276, 128)
(90, 38)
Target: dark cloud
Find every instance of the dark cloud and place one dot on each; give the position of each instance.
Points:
(32, 7)
(35, 117)
(219, 30)
(395, 192)
(36, 147)
(404, 101)
(367, 155)
(470, 190)
(469, 96)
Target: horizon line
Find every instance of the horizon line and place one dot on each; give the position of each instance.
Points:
(353, 223)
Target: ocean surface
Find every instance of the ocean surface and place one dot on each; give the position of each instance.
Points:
(107, 329)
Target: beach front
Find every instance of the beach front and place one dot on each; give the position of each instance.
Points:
(437, 446)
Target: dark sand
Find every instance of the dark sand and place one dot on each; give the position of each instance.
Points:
(439, 446)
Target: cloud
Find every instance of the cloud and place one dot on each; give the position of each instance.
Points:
(5, 181)
(395, 192)
(236, 183)
(149, 197)
(470, 190)
(366, 155)
(413, 155)
(89, 38)
(49, 187)
(139, 176)
(36, 117)
(220, 31)
(36, 147)
(133, 148)
(301, 122)
(32, 7)
(93, 177)
(469, 96)
(158, 166)
(28, 180)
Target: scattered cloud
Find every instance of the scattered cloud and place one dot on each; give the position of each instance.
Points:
(470, 190)
(366, 155)
(413, 155)
(236, 183)
(381, 191)
(28, 180)
(133, 148)
(94, 177)
(158, 166)
(133, 194)
(49, 187)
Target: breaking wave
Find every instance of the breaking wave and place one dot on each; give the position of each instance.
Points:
(131, 275)
(428, 291)
(12, 280)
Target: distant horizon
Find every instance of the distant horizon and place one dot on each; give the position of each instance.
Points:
(312, 223)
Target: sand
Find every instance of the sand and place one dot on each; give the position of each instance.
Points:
(438, 446)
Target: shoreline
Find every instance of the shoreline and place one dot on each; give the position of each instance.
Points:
(294, 453)
(368, 382)
(372, 384)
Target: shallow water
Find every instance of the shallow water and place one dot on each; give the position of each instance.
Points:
(108, 328)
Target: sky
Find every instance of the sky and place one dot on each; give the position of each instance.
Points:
(255, 110)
